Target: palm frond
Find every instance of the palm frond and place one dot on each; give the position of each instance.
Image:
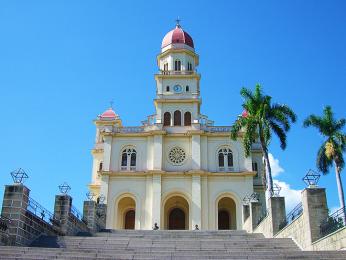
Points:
(280, 133)
(322, 161)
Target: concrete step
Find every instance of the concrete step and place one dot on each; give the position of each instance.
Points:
(122, 244)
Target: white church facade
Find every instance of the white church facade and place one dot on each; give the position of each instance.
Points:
(177, 169)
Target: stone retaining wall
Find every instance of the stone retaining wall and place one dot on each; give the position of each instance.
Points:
(333, 241)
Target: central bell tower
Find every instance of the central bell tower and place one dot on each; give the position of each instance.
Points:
(177, 82)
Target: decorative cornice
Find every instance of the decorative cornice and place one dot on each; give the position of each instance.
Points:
(184, 76)
(185, 173)
(167, 52)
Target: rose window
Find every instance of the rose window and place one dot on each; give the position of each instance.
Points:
(177, 155)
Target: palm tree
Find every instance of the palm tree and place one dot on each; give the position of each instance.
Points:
(332, 149)
(258, 121)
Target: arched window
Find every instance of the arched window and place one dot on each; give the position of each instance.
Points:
(187, 89)
(167, 88)
(100, 166)
(187, 118)
(128, 159)
(177, 117)
(225, 159)
(255, 168)
(189, 66)
(166, 119)
(177, 65)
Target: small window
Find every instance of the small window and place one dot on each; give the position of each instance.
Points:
(100, 166)
(225, 159)
(255, 168)
(165, 68)
(187, 119)
(189, 66)
(177, 118)
(128, 159)
(166, 119)
(177, 65)
(221, 160)
(187, 88)
(167, 88)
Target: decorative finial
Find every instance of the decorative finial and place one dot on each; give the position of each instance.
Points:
(64, 188)
(276, 190)
(178, 22)
(111, 103)
(19, 176)
(90, 195)
(311, 178)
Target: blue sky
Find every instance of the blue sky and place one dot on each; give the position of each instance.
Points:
(61, 62)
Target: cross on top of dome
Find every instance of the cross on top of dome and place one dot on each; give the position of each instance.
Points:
(177, 36)
(178, 22)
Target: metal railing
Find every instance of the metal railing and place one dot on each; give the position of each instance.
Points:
(4, 223)
(40, 211)
(292, 215)
(335, 221)
(177, 72)
(218, 129)
(263, 215)
(75, 212)
(129, 129)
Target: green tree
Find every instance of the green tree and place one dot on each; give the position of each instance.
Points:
(259, 120)
(333, 147)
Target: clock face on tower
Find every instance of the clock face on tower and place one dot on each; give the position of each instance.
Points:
(177, 88)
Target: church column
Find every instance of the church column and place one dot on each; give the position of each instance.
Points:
(107, 148)
(158, 152)
(196, 152)
(196, 202)
(156, 200)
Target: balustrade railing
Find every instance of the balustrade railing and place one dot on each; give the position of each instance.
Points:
(40, 211)
(263, 215)
(75, 212)
(292, 215)
(129, 129)
(177, 72)
(335, 221)
(217, 129)
(4, 223)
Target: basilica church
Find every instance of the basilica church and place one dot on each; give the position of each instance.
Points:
(176, 170)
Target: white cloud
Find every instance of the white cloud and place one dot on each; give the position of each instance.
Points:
(275, 165)
(292, 196)
(333, 209)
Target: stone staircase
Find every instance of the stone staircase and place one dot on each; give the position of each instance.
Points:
(164, 244)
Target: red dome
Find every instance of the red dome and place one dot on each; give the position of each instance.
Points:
(108, 114)
(177, 35)
(245, 113)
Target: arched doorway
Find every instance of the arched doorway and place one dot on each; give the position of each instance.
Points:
(226, 215)
(176, 219)
(176, 213)
(223, 220)
(130, 219)
(126, 214)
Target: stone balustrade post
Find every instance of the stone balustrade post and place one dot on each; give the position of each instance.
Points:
(246, 212)
(255, 214)
(62, 209)
(315, 210)
(89, 214)
(277, 213)
(101, 213)
(14, 206)
(95, 215)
